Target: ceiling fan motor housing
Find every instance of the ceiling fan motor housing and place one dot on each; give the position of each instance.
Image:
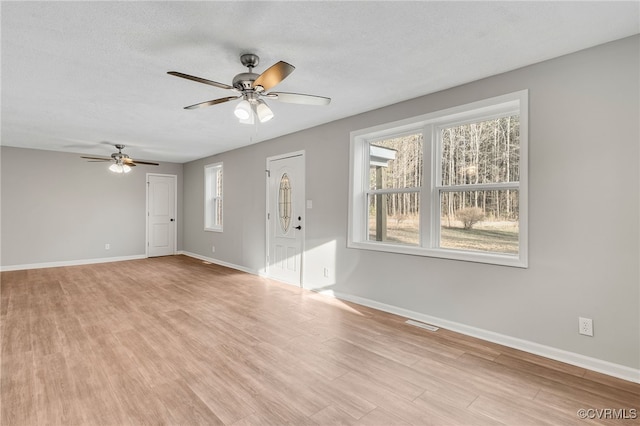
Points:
(119, 156)
(244, 81)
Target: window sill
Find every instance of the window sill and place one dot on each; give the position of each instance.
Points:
(213, 229)
(467, 256)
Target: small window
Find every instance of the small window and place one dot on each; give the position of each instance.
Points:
(449, 184)
(213, 197)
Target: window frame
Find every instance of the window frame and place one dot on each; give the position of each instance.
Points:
(213, 198)
(429, 125)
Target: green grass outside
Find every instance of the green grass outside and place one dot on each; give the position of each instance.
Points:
(501, 237)
(489, 240)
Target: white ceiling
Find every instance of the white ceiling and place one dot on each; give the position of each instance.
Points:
(77, 76)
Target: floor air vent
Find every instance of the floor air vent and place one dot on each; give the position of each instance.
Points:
(422, 325)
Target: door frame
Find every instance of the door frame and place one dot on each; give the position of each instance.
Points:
(303, 174)
(175, 211)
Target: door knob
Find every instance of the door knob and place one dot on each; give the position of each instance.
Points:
(171, 220)
(298, 227)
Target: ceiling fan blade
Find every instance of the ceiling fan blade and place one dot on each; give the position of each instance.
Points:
(98, 158)
(213, 102)
(273, 75)
(201, 80)
(299, 98)
(134, 162)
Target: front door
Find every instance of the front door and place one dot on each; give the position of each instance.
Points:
(285, 218)
(161, 215)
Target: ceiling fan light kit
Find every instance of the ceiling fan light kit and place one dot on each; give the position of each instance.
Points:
(263, 111)
(243, 110)
(252, 87)
(119, 168)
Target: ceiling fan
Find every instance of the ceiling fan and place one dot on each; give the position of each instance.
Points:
(252, 87)
(122, 163)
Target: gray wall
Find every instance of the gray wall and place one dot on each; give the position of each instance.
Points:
(583, 226)
(57, 207)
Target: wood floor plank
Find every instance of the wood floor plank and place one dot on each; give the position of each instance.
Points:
(559, 381)
(512, 411)
(18, 390)
(184, 406)
(612, 382)
(56, 395)
(310, 349)
(45, 339)
(439, 412)
(333, 416)
(284, 382)
(380, 416)
(223, 395)
(137, 400)
(571, 405)
(382, 371)
(384, 398)
(175, 340)
(547, 363)
(94, 395)
(481, 382)
(16, 334)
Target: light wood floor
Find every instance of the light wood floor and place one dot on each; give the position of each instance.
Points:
(175, 341)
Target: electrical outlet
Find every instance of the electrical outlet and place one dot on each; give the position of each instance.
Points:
(585, 326)
(107, 246)
(326, 272)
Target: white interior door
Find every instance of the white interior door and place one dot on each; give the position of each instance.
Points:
(161, 215)
(285, 218)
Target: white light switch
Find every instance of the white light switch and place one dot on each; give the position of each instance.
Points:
(309, 204)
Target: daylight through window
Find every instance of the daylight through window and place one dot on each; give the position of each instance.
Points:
(213, 197)
(450, 184)
(478, 185)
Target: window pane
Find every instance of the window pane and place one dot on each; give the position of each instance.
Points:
(480, 220)
(396, 162)
(284, 203)
(483, 152)
(219, 182)
(394, 218)
(218, 212)
(213, 196)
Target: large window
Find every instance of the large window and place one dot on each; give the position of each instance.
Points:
(213, 197)
(449, 184)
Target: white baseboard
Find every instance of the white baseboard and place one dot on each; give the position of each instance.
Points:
(219, 262)
(238, 267)
(594, 364)
(70, 263)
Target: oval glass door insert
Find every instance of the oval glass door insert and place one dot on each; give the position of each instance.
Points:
(284, 203)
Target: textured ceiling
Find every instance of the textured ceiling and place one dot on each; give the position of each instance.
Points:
(77, 76)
